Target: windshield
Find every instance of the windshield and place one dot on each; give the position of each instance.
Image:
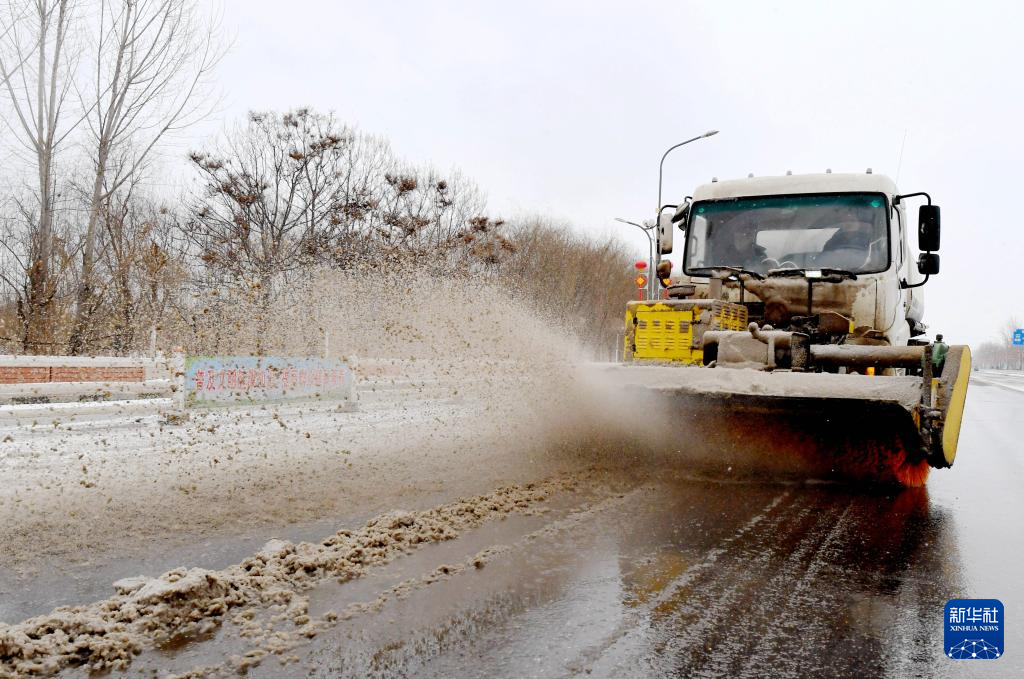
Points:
(839, 231)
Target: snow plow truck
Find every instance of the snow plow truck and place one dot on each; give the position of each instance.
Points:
(794, 327)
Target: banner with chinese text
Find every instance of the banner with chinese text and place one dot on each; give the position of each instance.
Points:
(251, 379)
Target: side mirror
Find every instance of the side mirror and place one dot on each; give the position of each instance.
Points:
(928, 229)
(928, 263)
(665, 232)
(664, 272)
(682, 212)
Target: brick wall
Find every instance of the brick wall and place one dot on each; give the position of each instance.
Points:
(24, 375)
(30, 375)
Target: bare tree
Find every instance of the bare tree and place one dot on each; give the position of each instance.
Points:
(300, 188)
(8, 24)
(35, 73)
(559, 269)
(141, 265)
(1001, 353)
(151, 68)
(281, 193)
(1009, 327)
(426, 213)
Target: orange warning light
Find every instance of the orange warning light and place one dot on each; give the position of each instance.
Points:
(640, 280)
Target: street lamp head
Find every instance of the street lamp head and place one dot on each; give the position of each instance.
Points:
(626, 221)
(710, 133)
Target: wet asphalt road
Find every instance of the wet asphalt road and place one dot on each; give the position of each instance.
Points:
(704, 578)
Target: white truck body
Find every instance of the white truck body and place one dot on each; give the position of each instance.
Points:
(876, 302)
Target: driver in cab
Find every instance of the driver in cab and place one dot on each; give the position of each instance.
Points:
(856, 242)
(737, 246)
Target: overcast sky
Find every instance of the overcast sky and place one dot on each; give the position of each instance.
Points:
(564, 108)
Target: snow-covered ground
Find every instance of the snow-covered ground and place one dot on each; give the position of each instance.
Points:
(1007, 379)
(98, 491)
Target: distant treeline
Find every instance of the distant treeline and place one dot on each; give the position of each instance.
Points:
(1000, 354)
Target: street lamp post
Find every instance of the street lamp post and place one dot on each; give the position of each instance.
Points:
(650, 251)
(661, 171)
(661, 166)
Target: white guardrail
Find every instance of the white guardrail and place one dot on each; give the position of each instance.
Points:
(180, 381)
(62, 379)
(187, 381)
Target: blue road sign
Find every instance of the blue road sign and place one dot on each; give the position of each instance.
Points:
(1018, 337)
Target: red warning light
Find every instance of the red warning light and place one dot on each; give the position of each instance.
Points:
(640, 265)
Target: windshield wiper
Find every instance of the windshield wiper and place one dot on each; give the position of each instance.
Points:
(735, 270)
(826, 274)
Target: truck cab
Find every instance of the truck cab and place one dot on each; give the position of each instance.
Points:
(796, 247)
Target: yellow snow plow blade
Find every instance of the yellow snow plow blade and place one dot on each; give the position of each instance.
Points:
(951, 390)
